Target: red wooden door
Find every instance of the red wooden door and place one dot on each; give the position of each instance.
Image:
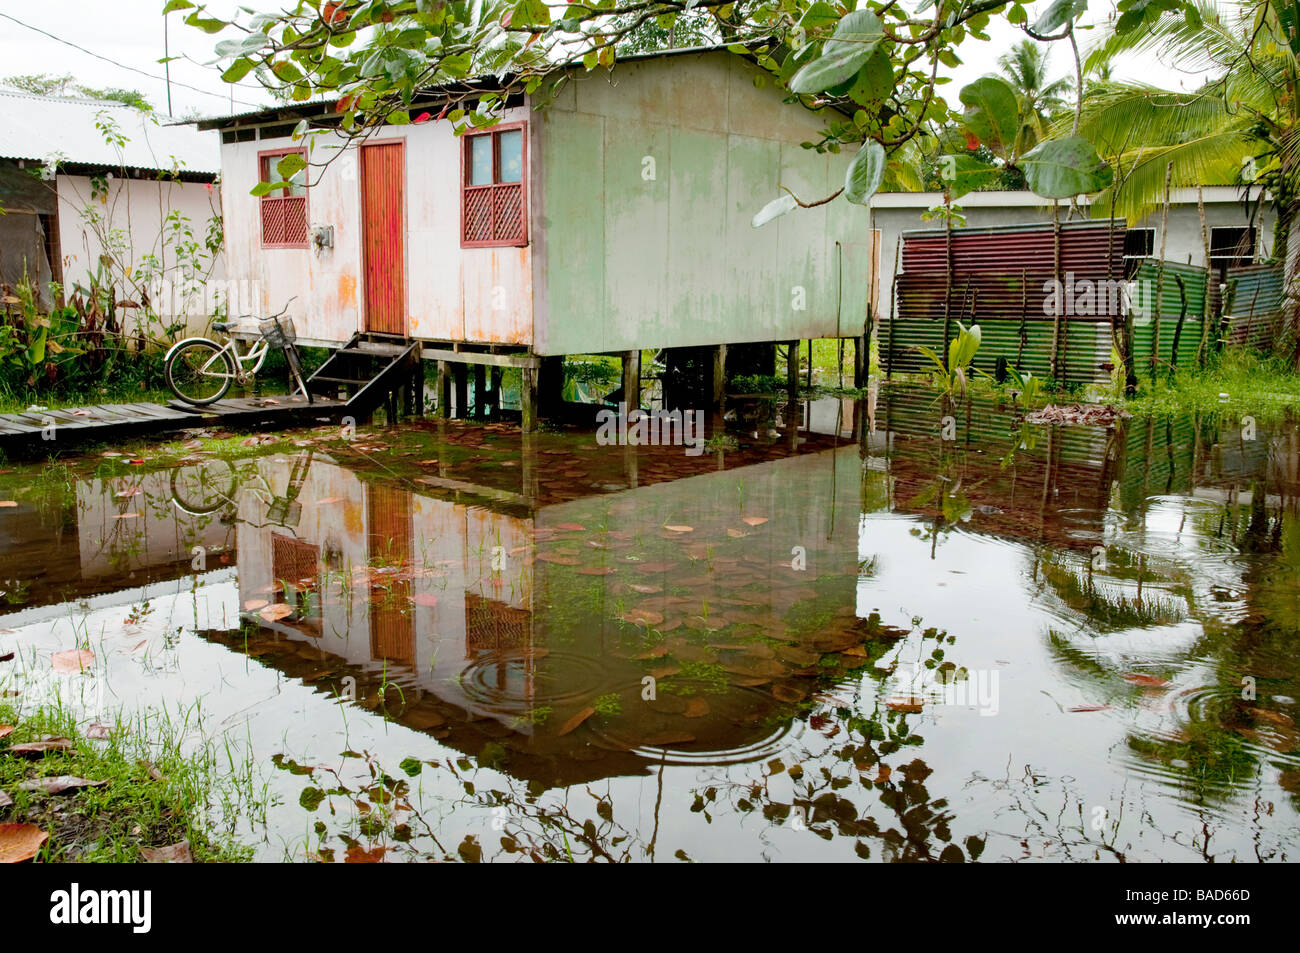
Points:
(383, 224)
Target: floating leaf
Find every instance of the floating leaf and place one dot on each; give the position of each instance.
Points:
(1146, 681)
(576, 720)
(680, 529)
(73, 660)
(754, 520)
(643, 617)
(276, 611)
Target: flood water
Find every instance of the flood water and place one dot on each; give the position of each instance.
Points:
(850, 642)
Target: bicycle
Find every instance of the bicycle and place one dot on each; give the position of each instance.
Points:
(200, 371)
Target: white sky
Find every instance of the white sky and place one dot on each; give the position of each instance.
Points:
(130, 33)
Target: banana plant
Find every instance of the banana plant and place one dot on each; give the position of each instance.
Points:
(953, 375)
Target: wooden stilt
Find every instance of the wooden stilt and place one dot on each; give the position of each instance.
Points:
(719, 391)
(444, 390)
(462, 390)
(528, 398)
(495, 392)
(632, 379)
(480, 390)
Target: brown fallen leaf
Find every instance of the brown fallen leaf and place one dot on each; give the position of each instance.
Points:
(1091, 708)
(576, 720)
(1276, 717)
(1146, 681)
(172, 854)
(20, 842)
(680, 529)
(736, 533)
(645, 590)
(73, 660)
(597, 571)
(99, 732)
(754, 520)
(910, 704)
(36, 749)
(5, 800)
(276, 611)
(252, 605)
(6, 731)
(59, 783)
(696, 708)
(643, 617)
(571, 527)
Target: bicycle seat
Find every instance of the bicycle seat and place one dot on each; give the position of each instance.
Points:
(222, 326)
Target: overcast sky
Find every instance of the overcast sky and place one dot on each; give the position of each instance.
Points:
(129, 33)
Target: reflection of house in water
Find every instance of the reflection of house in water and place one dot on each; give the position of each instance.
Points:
(503, 622)
(115, 532)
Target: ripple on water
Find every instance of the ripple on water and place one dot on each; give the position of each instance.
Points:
(502, 680)
(677, 751)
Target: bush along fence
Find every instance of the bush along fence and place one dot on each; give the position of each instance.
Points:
(1060, 301)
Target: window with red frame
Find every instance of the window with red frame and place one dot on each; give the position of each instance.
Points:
(284, 211)
(493, 210)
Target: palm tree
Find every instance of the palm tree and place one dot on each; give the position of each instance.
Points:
(1025, 66)
(1242, 126)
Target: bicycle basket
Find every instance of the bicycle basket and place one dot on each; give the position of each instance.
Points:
(277, 333)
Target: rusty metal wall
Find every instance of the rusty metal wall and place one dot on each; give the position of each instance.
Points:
(1002, 279)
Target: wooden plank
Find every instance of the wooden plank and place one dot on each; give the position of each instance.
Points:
(473, 357)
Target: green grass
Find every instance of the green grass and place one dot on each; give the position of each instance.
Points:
(1239, 382)
(156, 795)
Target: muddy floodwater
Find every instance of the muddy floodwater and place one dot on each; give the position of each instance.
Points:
(857, 640)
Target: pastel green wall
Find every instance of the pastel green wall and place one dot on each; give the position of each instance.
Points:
(626, 261)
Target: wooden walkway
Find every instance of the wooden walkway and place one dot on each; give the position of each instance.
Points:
(47, 430)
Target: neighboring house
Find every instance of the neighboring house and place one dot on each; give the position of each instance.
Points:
(1240, 227)
(616, 219)
(102, 216)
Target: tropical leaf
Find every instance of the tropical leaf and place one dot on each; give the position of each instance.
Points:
(1064, 168)
(992, 113)
(774, 209)
(865, 173)
(842, 55)
(962, 174)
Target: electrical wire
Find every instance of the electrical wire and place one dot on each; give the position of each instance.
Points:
(207, 92)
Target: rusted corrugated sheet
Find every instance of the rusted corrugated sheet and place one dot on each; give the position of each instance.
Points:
(383, 218)
(1253, 306)
(1002, 280)
(1180, 290)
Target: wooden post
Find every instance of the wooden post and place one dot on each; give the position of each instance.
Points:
(480, 390)
(462, 389)
(444, 390)
(1060, 290)
(528, 398)
(1160, 275)
(719, 390)
(861, 358)
(1202, 347)
(495, 392)
(632, 379)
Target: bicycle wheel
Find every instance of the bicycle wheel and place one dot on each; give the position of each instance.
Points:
(205, 488)
(200, 372)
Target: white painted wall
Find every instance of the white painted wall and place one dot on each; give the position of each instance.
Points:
(452, 293)
(130, 227)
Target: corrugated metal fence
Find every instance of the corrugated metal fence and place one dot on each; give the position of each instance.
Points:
(1053, 301)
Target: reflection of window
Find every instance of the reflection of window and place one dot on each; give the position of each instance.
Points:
(294, 561)
(492, 201)
(1232, 246)
(1139, 243)
(284, 211)
(492, 625)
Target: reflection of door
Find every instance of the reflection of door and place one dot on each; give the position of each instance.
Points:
(383, 216)
(392, 620)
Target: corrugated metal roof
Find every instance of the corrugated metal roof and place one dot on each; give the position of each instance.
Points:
(36, 127)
